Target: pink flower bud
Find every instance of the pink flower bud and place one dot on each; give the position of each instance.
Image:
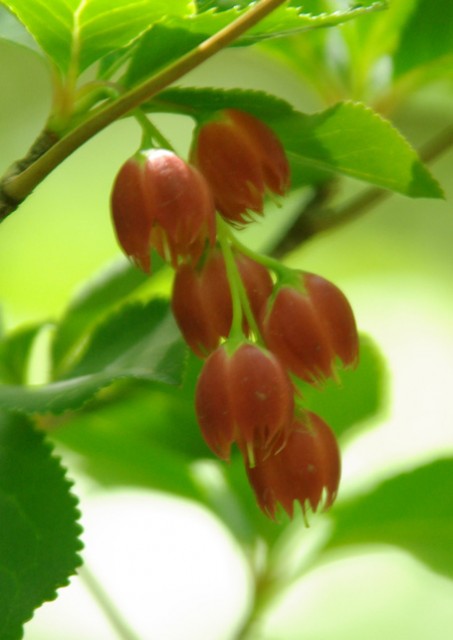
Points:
(161, 202)
(201, 299)
(310, 327)
(241, 158)
(244, 397)
(307, 470)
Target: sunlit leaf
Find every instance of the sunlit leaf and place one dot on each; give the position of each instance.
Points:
(79, 32)
(139, 342)
(39, 534)
(283, 21)
(413, 511)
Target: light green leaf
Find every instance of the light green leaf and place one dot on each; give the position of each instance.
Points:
(283, 21)
(139, 342)
(351, 139)
(413, 511)
(76, 33)
(39, 533)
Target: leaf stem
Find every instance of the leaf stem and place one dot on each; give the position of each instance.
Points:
(17, 186)
(108, 607)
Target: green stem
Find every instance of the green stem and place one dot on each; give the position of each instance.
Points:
(17, 187)
(151, 136)
(107, 606)
(234, 280)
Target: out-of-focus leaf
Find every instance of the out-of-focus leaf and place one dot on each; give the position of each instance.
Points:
(358, 395)
(15, 352)
(39, 534)
(77, 33)
(139, 342)
(100, 295)
(413, 511)
(427, 38)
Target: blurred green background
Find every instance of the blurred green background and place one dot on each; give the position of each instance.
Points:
(396, 266)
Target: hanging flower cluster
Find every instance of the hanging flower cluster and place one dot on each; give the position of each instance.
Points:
(259, 326)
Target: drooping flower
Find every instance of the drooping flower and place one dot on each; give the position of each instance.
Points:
(244, 397)
(159, 201)
(307, 470)
(202, 302)
(310, 327)
(241, 158)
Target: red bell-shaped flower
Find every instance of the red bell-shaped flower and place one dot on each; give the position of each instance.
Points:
(159, 201)
(311, 326)
(307, 470)
(241, 158)
(201, 298)
(244, 397)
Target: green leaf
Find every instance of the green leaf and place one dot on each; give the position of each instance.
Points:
(348, 138)
(283, 21)
(15, 352)
(197, 101)
(157, 48)
(351, 139)
(427, 38)
(39, 531)
(76, 33)
(176, 35)
(99, 296)
(138, 342)
(413, 511)
(357, 395)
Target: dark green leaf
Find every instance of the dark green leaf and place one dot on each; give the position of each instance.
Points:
(158, 47)
(99, 296)
(358, 395)
(413, 511)
(195, 101)
(15, 352)
(75, 34)
(39, 531)
(139, 342)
